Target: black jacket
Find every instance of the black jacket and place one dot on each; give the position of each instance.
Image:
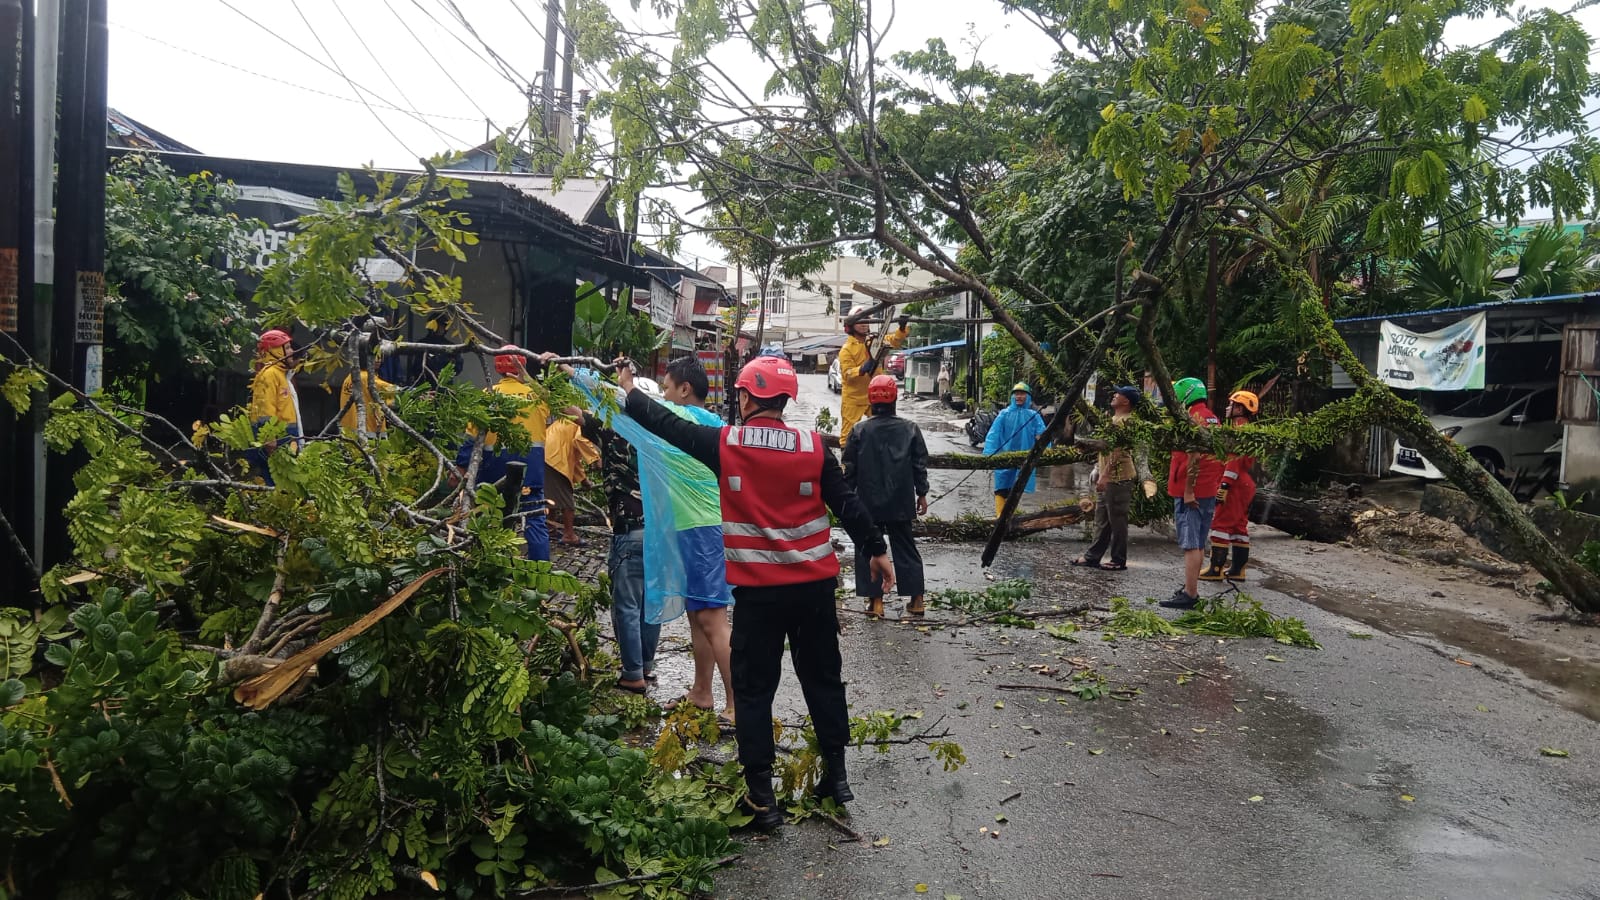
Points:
(886, 461)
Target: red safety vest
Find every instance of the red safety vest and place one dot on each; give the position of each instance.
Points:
(775, 526)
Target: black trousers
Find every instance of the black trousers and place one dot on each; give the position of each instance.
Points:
(907, 563)
(763, 618)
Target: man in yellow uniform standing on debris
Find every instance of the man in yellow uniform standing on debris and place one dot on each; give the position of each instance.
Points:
(857, 364)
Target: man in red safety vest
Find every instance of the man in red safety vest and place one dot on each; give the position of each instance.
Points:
(777, 484)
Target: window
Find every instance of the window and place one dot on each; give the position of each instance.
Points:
(777, 300)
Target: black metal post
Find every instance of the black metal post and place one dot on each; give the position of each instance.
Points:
(13, 224)
(78, 310)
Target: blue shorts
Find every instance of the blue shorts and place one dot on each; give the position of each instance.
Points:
(695, 603)
(1194, 525)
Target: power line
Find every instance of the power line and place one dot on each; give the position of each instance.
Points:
(447, 74)
(379, 63)
(460, 17)
(521, 87)
(298, 49)
(526, 18)
(340, 69)
(262, 75)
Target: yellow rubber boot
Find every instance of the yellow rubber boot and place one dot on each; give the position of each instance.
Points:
(999, 504)
(875, 607)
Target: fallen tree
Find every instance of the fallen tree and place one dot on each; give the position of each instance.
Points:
(1232, 147)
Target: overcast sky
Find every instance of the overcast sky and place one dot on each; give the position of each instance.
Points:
(290, 85)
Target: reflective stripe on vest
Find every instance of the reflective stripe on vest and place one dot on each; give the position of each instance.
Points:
(779, 557)
(799, 532)
(775, 528)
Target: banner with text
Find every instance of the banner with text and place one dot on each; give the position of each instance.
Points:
(1450, 359)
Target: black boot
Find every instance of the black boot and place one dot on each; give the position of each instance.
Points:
(1241, 555)
(833, 783)
(759, 801)
(1219, 559)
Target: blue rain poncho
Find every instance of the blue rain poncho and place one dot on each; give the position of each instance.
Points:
(682, 513)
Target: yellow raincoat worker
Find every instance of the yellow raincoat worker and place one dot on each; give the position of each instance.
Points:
(272, 396)
(377, 424)
(856, 368)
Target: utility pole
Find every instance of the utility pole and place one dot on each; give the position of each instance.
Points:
(42, 58)
(568, 56)
(77, 327)
(13, 201)
(552, 28)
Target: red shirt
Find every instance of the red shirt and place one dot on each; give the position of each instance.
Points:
(1210, 466)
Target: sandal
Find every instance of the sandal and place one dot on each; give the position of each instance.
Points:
(632, 689)
(1083, 562)
(671, 705)
(725, 723)
(1114, 567)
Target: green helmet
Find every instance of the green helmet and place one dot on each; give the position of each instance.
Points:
(1189, 390)
(1023, 387)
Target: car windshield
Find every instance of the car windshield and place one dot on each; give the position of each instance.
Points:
(1488, 403)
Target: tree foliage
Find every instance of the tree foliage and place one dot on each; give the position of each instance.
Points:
(455, 741)
(172, 303)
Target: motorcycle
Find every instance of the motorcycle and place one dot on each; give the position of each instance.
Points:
(977, 427)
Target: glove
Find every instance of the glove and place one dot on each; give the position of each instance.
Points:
(1222, 492)
(871, 365)
(903, 321)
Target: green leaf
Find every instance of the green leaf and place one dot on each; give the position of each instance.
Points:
(12, 691)
(1551, 751)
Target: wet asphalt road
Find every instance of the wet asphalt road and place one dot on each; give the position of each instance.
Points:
(1376, 767)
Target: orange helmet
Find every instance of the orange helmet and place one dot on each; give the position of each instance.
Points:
(275, 337)
(510, 363)
(882, 389)
(769, 376)
(1247, 400)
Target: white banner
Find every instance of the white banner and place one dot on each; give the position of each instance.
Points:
(1450, 359)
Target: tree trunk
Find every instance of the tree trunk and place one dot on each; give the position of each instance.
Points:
(1327, 518)
(1580, 586)
(978, 529)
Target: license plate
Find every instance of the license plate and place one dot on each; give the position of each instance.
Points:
(1408, 457)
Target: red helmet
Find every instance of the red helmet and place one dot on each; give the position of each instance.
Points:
(275, 337)
(510, 363)
(767, 377)
(882, 389)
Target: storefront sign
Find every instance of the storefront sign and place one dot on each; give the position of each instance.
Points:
(1450, 359)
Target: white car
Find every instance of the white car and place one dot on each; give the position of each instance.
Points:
(835, 380)
(1505, 430)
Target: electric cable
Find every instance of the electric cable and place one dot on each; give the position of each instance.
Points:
(340, 69)
(443, 139)
(265, 77)
(298, 49)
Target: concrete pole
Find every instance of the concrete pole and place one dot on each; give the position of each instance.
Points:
(46, 59)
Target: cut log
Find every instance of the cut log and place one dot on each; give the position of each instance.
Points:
(1327, 518)
(974, 528)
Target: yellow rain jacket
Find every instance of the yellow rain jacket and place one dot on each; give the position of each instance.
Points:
(376, 423)
(567, 451)
(532, 417)
(853, 391)
(271, 394)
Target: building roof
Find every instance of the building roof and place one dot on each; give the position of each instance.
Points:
(131, 134)
(500, 211)
(1511, 304)
(583, 200)
(914, 351)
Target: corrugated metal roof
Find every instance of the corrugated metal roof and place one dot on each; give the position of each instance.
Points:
(913, 351)
(1478, 307)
